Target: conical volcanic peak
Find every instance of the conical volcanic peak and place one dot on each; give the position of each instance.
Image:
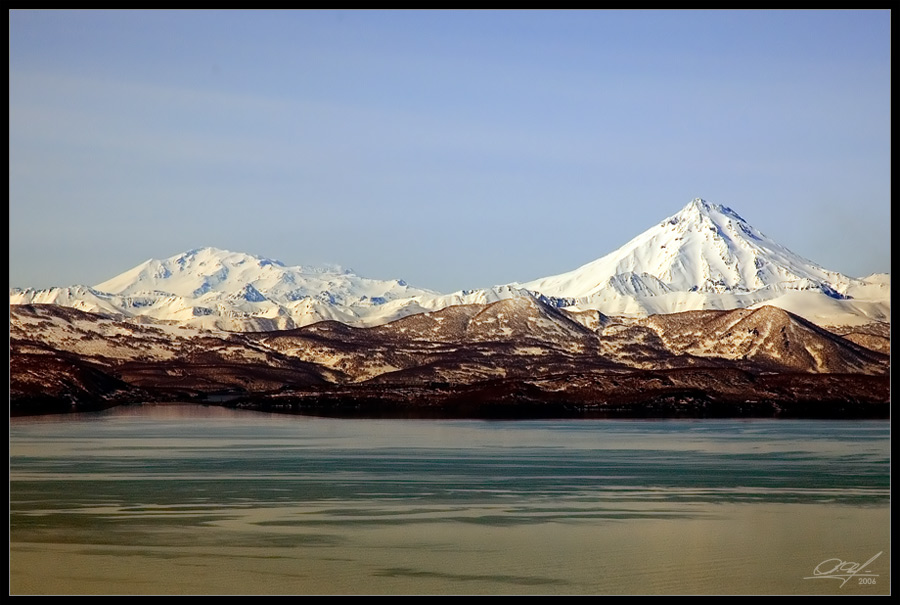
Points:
(699, 210)
(707, 248)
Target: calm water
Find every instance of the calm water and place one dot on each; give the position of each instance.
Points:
(184, 499)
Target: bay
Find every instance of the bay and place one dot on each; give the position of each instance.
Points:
(189, 499)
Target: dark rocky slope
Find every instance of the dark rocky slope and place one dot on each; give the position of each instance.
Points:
(514, 358)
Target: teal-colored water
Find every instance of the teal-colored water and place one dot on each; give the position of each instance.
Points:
(199, 500)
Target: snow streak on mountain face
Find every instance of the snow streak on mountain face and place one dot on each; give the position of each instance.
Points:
(704, 248)
(704, 257)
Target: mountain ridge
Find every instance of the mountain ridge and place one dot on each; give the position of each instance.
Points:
(706, 256)
(511, 358)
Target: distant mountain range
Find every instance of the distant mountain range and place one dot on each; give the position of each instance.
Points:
(704, 257)
(701, 315)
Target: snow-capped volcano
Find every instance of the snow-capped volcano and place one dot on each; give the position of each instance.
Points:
(203, 271)
(213, 288)
(707, 257)
(703, 248)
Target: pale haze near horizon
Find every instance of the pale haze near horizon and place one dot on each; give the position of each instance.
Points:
(452, 149)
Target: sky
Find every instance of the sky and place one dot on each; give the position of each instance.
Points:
(451, 149)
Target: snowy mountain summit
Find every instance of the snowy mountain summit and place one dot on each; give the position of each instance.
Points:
(704, 248)
(704, 257)
(708, 257)
(204, 271)
(220, 289)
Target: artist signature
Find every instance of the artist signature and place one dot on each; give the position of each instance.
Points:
(836, 569)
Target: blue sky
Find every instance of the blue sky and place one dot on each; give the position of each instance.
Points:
(451, 149)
